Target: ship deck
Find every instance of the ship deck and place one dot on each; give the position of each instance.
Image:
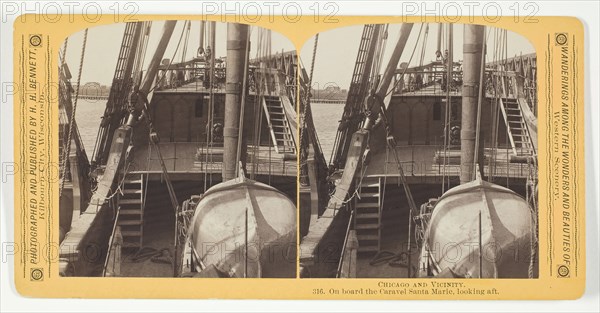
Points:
(421, 165)
(395, 242)
(186, 160)
(435, 90)
(160, 221)
(194, 86)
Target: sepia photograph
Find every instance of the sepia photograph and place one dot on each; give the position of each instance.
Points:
(178, 144)
(418, 153)
(311, 151)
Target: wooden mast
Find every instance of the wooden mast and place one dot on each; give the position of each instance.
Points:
(237, 35)
(389, 73)
(472, 50)
(201, 44)
(146, 84)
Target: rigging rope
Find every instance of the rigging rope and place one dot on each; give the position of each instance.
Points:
(378, 57)
(159, 80)
(141, 54)
(73, 111)
(64, 51)
(187, 27)
(308, 94)
(447, 114)
(424, 47)
(407, 64)
(481, 94)
(209, 120)
(243, 104)
(257, 104)
(312, 63)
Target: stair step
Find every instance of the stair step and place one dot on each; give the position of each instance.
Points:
(367, 226)
(132, 181)
(367, 215)
(367, 248)
(130, 201)
(130, 212)
(131, 244)
(367, 183)
(367, 205)
(129, 222)
(131, 233)
(367, 237)
(369, 194)
(132, 191)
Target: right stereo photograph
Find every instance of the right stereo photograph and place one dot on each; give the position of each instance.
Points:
(418, 153)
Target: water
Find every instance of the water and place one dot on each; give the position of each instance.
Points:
(326, 118)
(88, 116)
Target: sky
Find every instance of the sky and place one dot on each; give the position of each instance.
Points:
(104, 43)
(337, 50)
(335, 55)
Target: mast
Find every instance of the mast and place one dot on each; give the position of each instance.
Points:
(154, 63)
(121, 84)
(472, 51)
(237, 35)
(201, 44)
(359, 87)
(168, 29)
(389, 73)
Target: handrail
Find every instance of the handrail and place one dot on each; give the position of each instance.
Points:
(343, 255)
(111, 241)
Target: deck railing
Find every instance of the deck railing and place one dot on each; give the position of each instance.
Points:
(428, 161)
(199, 157)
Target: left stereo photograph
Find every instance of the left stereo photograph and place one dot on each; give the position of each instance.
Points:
(178, 151)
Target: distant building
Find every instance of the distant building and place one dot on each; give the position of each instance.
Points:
(331, 92)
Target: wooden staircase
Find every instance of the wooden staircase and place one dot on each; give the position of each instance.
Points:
(367, 219)
(279, 127)
(131, 211)
(518, 134)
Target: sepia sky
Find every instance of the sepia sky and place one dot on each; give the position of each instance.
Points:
(335, 57)
(104, 43)
(337, 50)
